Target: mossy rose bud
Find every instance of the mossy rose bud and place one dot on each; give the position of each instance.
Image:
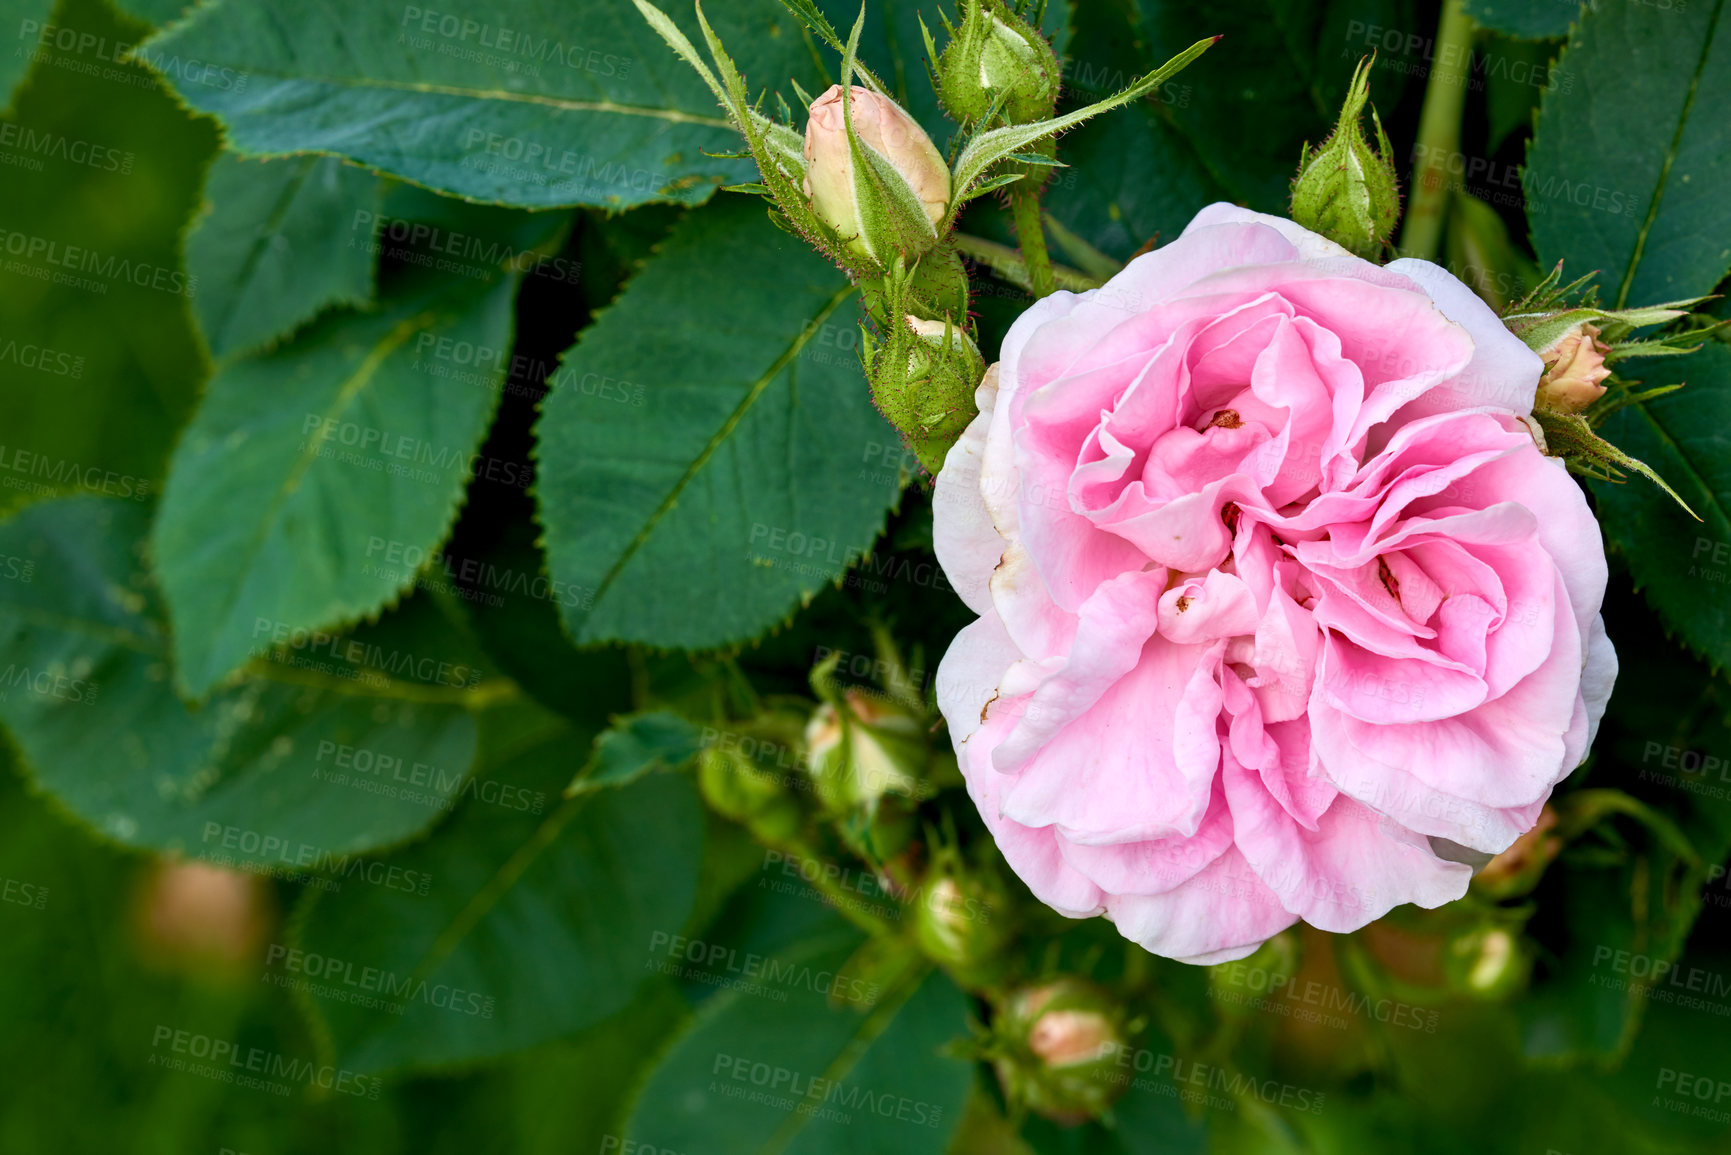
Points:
(868, 748)
(1575, 371)
(885, 191)
(996, 55)
(923, 380)
(960, 917)
(1346, 190)
(1057, 1045)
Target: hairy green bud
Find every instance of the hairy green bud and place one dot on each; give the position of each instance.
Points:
(996, 56)
(1346, 190)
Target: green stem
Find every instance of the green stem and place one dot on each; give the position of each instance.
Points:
(1010, 265)
(1439, 133)
(1031, 234)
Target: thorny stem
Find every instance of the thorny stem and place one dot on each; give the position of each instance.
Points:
(1439, 133)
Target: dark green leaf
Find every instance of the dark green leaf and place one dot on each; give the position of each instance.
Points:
(1683, 565)
(536, 921)
(1628, 165)
(98, 355)
(706, 456)
(756, 1074)
(272, 775)
(637, 746)
(318, 477)
(269, 254)
(509, 101)
(1525, 19)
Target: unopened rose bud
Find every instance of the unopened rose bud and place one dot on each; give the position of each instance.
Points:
(192, 915)
(736, 787)
(1346, 190)
(1487, 962)
(1574, 371)
(960, 917)
(895, 207)
(869, 748)
(997, 56)
(923, 380)
(1056, 1048)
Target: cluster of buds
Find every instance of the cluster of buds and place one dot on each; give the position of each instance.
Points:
(1346, 190)
(866, 186)
(1055, 1047)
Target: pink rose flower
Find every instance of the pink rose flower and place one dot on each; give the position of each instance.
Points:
(1283, 615)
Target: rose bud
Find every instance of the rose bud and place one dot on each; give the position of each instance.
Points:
(923, 380)
(1487, 962)
(1346, 190)
(1055, 1050)
(886, 191)
(737, 788)
(870, 747)
(199, 917)
(959, 918)
(1574, 371)
(996, 55)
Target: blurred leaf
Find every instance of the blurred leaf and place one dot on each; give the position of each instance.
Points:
(267, 254)
(535, 923)
(1516, 78)
(1628, 165)
(755, 1074)
(276, 776)
(97, 349)
(318, 477)
(508, 101)
(635, 746)
(1526, 19)
(20, 14)
(699, 465)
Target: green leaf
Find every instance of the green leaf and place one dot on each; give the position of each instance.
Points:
(509, 101)
(316, 478)
(1526, 19)
(1627, 167)
(756, 1074)
(273, 775)
(1683, 565)
(636, 746)
(704, 455)
(100, 366)
(21, 14)
(266, 254)
(540, 919)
